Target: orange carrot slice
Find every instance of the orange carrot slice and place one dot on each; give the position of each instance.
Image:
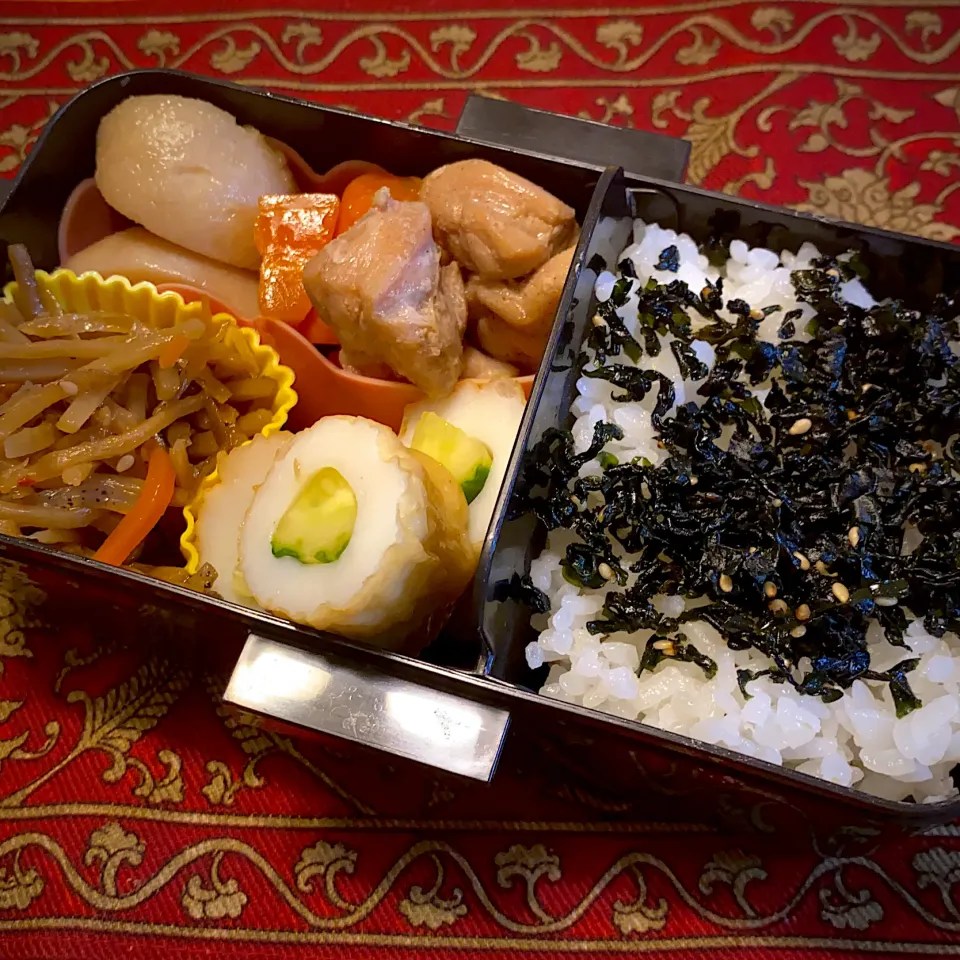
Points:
(173, 351)
(289, 231)
(358, 195)
(146, 513)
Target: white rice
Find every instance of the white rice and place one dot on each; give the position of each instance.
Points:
(855, 741)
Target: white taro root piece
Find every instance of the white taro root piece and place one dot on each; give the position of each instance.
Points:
(353, 533)
(488, 412)
(140, 256)
(496, 224)
(188, 172)
(381, 288)
(220, 517)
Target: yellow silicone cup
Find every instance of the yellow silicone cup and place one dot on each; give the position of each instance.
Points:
(188, 539)
(89, 291)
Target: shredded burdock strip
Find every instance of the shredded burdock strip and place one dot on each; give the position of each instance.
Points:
(28, 402)
(36, 371)
(30, 440)
(27, 297)
(85, 405)
(61, 349)
(40, 515)
(76, 324)
(89, 398)
(53, 464)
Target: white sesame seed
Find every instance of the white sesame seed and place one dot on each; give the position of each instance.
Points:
(69, 388)
(886, 601)
(125, 463)
(853, 535)
(802, 612)
(798, 632)
(605, 571)
(840, 592)
(770, 589)
(800, 427)
(726, 584)
(802, 560)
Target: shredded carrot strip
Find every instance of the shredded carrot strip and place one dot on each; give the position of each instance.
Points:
(153, 501)
(173, 351)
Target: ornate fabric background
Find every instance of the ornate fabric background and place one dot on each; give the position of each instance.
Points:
(132, 807)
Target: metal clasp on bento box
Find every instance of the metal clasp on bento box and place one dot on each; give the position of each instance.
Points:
(307, 689)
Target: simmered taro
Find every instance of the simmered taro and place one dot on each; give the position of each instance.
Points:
(754, 518)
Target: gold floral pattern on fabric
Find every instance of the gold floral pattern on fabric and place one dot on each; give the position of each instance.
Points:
(863, 197)
(666, 60)
(207, 874)
(112, 724)
(455, 50)
(133, 802)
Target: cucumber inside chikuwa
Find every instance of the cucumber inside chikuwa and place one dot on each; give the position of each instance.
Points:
(318, 525)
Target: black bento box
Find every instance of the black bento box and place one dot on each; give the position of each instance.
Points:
(452, 708)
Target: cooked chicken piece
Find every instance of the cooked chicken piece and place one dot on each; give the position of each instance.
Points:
(478, 366)
(511, 344)
(530, 303)
(475, 308)
(381, 288)
(365, 367)
(496, 224)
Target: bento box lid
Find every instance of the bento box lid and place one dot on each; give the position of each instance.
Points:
(516, 126)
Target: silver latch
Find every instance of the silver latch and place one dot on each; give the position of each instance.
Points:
(406, 719)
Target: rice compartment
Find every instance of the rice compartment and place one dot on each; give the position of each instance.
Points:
(726, 559)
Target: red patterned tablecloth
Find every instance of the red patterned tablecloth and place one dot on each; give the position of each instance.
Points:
(136, 817)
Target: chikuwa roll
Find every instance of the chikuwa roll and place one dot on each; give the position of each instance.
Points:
(471, 432)
(220, 515)
(353, 533)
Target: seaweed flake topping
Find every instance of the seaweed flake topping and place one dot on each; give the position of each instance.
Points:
(797, 531)
(669, 259)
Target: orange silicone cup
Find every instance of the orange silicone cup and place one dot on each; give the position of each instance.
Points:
(335, 390)
(323, 387)
(86, 218)
(316, 331)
